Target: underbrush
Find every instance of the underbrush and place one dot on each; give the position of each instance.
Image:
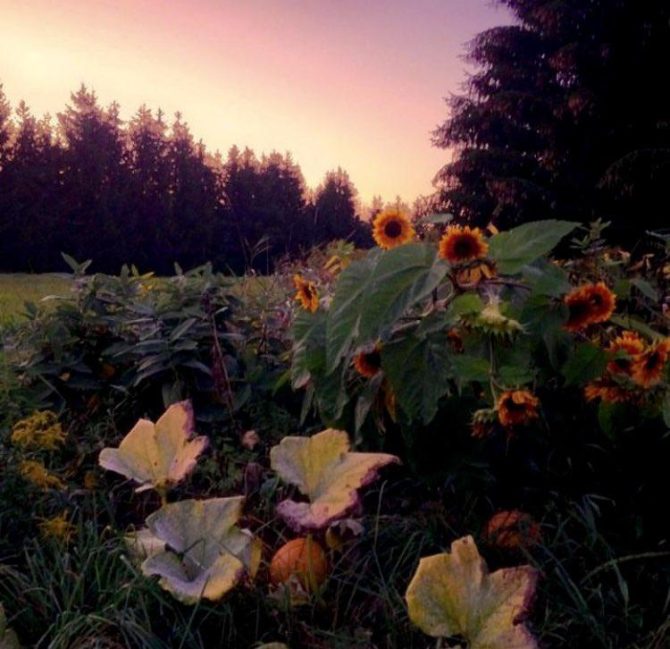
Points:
(504, 408)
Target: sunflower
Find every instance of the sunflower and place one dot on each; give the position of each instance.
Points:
(648, 367)
(607, 391)
(462, 243)
(517, 407)
(306, 294)
(631, 345)
(392, 228)
(368, 363)
(589, 304)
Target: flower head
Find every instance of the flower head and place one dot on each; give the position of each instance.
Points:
(57, 527)
(517, 407)
(588, 305)
(471, 275)
(482, 422)
(392, 228)
(648, 368)
(460, 244)
(607, 391)
(35, 472)
(41, 431)
(626, 347)
(368, 363)
(306, 294)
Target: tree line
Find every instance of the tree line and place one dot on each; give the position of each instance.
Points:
(566, 116)
(144, 192)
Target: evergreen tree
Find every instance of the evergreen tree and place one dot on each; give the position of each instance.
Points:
(95, 182)
(566, 116)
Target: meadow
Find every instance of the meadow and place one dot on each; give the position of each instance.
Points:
(18, 288)
(454, 439)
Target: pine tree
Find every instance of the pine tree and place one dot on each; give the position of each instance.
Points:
(567, 116)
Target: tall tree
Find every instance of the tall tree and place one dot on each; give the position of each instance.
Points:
(334, 210)
(567, 116)
(95, 180)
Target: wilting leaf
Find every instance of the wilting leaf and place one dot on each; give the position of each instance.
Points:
(203, 554)
(453, 594)
(326, 472)
(157, 455)
(513, 249)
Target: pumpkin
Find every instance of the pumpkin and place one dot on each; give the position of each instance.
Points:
(301, 559)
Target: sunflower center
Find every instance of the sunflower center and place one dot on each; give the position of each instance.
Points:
(464, 247)
(393, 229)
(373, 359)
(513, 406)
(653, 361)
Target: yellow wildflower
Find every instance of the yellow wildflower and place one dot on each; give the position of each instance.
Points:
(41, 430)
(57, 527)
(35, 472)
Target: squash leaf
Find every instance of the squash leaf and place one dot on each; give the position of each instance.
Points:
(204, 554)
(324, 470)
(453, 594)
(157, 455)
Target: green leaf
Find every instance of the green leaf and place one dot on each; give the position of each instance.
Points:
(404, 276)
(645, 288)
(470, 368)
(585, 364)
(466, 304)
(345, 310)
(514, 249)
(373, 293)
(419, 369)
(546, 278)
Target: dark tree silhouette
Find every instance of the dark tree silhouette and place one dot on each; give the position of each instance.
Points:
(146, 194)
(567, 116)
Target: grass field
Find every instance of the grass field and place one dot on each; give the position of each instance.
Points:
(18, 288)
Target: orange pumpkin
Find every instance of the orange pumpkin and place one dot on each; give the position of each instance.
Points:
(303, 559)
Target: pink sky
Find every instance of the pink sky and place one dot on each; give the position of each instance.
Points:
(351, 83)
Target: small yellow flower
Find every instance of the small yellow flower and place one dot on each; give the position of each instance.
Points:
(35, 472)
(41, 431)
(57, 527)
(392, 228)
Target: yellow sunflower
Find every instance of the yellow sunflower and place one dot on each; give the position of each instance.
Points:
(460, 244)
(306, 294)
(648, 368)
(588, 305)
(517, 407)
(392, 228)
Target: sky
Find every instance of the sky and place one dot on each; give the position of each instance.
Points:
(358, 84)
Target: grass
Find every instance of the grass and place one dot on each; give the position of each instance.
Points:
(18, 288)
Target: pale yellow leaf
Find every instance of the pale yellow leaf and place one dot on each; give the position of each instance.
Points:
(324, 470)
(453, 594)
(157, 455)
(203, 553)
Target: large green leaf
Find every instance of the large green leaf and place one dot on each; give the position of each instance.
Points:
(514, 249)
(309, 339)
(419, 369)
(587, 363)
(372, 294)
(345, 310)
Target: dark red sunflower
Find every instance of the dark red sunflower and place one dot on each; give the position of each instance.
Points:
(517, 407)
(588, 305)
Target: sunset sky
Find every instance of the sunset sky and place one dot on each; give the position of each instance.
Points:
(353, 83)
